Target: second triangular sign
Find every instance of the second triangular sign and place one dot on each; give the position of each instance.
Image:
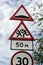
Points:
(21, 33)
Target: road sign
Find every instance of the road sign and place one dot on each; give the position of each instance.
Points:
(21, 38)
(21, 33)
(21, 14)
(21, 45)
(22, 58)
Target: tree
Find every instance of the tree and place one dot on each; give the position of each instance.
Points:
(38, 48)
(38, 51)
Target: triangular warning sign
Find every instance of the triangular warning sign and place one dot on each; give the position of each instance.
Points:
(21, 14)
(21, 33)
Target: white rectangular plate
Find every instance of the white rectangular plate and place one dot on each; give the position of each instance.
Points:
(21, 45)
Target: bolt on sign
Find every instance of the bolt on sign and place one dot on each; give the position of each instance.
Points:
(21, 38)
(21, 14)
(22, 58)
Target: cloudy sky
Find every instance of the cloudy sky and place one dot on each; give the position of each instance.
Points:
(7, 7)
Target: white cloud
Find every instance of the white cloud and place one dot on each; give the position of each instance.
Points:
(1, 13)
(15, 3)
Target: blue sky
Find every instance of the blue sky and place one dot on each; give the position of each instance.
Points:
(7, 7)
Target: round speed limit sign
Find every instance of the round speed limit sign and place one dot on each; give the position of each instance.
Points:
(22, 58)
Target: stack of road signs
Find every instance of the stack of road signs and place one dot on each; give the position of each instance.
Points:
(21, 38)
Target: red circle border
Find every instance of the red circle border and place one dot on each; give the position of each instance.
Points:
(21, 52)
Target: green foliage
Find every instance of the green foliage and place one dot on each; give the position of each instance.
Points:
(38, 50)
(40, 19)
(38, 56)
(39, 5)
(40, 41)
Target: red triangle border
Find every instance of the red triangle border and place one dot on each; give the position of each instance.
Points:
(26, 39)
(24, 19)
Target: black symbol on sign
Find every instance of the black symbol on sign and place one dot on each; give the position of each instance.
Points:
(21, 33)
(23, 61)
(21, 16)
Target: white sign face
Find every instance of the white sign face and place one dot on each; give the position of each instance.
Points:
(21, 58)
(22, 33)
(22, 12)
(21, 45)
